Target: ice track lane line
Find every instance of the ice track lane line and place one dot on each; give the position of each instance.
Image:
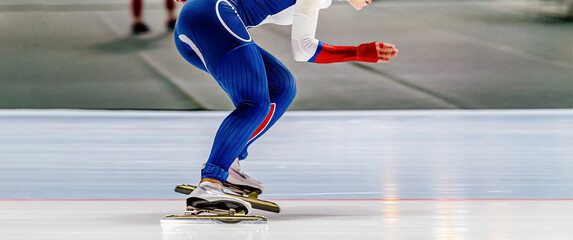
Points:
(301, 200)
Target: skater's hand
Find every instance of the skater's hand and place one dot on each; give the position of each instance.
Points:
(386, 51)
(181, 1)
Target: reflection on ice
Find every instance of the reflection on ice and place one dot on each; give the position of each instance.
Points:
(181, 231)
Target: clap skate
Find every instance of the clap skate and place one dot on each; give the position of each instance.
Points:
(209, 204)
(254, 201)
(245, 187)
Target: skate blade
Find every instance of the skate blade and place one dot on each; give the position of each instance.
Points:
(253, 200)
(251, 192)
(213, 219)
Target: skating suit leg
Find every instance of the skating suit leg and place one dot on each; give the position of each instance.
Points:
(211, 36)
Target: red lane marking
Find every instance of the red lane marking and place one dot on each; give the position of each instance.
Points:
(373, 199)
(88, 200)
(433, 199)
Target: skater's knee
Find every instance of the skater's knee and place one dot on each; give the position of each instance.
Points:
(283, 89)
(286, 94)
(256, 108)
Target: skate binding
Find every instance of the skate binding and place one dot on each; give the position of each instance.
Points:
(197, 205)
(243, 190)
(253, 195)
(193, 211)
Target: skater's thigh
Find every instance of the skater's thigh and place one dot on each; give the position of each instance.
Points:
(280, 79)
(211, 28)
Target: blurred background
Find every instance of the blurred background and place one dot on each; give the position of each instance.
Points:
(458, 54)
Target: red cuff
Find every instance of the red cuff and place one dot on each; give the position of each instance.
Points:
(364, 53)
(332, 54)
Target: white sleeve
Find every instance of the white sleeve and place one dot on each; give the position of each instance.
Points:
(305, 19)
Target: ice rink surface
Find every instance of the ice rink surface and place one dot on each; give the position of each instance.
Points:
(451, 174)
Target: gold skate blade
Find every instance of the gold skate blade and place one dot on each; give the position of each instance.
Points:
(213, 219)
(193, 211)
(255, 202)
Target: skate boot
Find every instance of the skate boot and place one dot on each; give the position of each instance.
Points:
(241, 183)
(209, 197)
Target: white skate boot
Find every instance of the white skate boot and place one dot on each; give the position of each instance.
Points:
(241, 183)
(209, 197)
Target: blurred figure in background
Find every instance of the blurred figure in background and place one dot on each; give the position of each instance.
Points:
(554, 8)
(138, 26)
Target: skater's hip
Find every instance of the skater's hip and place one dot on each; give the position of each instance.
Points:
(213, 28)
